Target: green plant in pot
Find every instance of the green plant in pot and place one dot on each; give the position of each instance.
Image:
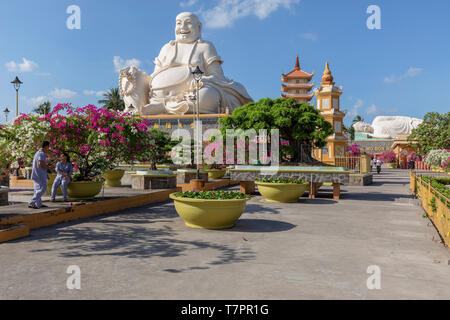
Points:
(281, 190)
(210, 209)
(159, 150)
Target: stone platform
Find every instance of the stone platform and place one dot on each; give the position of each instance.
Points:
(364, 179)
(17, 219)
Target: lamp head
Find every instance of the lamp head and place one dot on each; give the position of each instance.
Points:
(16, 82)
(198, 73)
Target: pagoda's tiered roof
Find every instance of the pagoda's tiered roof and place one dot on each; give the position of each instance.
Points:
(307, 86)
(297, 73)
(298, 96)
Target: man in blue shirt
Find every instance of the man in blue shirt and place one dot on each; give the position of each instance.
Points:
(64, 170)
(39, 176)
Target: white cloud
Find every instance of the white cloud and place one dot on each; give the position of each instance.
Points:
(60, 94)
(355, 109)
(375, 110)
(312, 36)
(25, 66)
(228, 11)
(188, 3)
(120, 63)
(34, 102)
(93, 93)
(411, 73)
(56, 94)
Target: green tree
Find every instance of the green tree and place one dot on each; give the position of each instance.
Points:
(433, 133)
(158, 153)
(350, 130)
(112, 100)
(358, 118)
(44, 108)
(301, 124)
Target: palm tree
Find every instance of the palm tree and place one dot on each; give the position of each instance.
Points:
(358, 118)
(112, 100)
(44, 108)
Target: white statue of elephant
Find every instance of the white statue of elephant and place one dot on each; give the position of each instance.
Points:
(134, 87)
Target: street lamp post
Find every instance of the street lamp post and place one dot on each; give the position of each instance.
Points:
(17, 83)
(6, 112)
(198, 74)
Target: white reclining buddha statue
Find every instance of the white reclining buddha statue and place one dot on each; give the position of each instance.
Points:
(171, 87)
(388, 127)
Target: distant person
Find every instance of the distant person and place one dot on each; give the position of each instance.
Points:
(378, 163)
(412, 164)
(371, 165)
(64, 170)
(39, 176)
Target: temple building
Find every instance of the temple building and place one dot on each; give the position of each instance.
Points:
(328, 103)
(296, 84)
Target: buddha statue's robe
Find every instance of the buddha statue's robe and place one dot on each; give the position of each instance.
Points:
(172, 85)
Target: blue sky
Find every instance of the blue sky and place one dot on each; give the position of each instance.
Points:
(402, 69)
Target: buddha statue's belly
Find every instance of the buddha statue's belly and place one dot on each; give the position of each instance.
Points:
(171, 82)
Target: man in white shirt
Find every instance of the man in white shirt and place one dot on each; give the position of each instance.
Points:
(39, 176)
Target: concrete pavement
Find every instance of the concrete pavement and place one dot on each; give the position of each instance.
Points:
(315, 249)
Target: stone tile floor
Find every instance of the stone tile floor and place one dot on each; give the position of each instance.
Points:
(314, 249)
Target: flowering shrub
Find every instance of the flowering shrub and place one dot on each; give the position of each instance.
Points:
(435, 158)
(96, 139)
(414, 157)
(446, 165)
(354, 150)
(388, 157)
(5, 159)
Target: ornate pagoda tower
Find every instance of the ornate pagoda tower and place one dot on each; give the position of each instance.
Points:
(296, 84)
(328, 103)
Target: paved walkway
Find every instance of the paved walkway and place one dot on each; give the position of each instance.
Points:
(315, 249)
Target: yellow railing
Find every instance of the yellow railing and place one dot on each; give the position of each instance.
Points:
(350, 163)
(359, 164)
(435, 204)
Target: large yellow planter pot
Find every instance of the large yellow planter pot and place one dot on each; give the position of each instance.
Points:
(214, 174)
(281, 192)
(84, 190)
(113, 177)
(51, 179)
(391, 165)
(209, 214)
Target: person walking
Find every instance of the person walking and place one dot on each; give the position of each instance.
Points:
(39, 176)
(371, 165)
(64, 170)
(378, 163)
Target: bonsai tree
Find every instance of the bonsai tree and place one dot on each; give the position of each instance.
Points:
(159, 151)
(433, 133)
(300, 124)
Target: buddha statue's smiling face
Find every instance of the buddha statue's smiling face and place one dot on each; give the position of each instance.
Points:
(188, 27)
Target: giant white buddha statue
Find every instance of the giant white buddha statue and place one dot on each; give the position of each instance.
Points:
(388, 127)
(171, 87)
